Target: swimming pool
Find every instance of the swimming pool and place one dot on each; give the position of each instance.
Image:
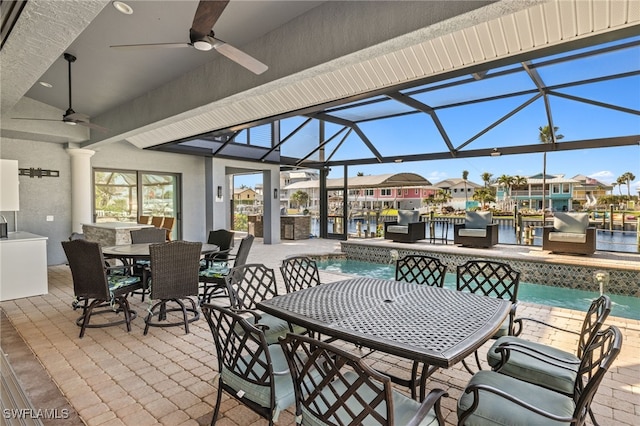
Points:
(579, 300)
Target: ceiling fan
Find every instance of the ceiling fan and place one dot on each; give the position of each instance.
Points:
(201, 37)
(70, 116)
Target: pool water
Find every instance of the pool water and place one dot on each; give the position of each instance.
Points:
(579, 300)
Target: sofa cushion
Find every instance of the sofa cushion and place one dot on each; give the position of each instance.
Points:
(464, 232)
(398, 229)
(477, 220)
(406, 217)
(576, 223)
(567, 237)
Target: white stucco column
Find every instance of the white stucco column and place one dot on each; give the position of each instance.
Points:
(80, 187)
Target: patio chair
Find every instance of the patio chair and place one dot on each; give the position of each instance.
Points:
(420, 269)
(95, 287)
(174, 278)
(157, 221)
(493, 279)
(251, 371)
(143, 220)
(570, 233)
(498, 399)
(167, 226)
(406, 229)
(299, 272)
(212, 277)
(545, 365)
(478, 230)
(334, 387)
(224, 240)
(248, 285)
(140, 267)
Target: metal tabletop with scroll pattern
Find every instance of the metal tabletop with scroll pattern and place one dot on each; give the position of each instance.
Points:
(434, 325)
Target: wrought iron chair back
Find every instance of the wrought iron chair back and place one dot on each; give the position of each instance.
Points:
(299, 272)
(249, 284)
(596, 360)
(421, 269)
(494, 279)
(335, 387)
(243, 356)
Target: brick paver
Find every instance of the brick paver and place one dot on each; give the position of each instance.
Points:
(112, 377)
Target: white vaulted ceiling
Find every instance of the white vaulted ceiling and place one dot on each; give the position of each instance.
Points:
(339, 50)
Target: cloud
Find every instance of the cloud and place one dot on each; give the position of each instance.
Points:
(605, 176)
(436, 176)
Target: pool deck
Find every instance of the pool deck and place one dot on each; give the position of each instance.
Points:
(111, 377)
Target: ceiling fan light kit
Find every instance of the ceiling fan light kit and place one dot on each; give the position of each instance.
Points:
(202, 45)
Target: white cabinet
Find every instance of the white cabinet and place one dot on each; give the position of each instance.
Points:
(23, 266)
(9, 193)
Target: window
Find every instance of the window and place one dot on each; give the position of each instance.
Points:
(123, 195)
(555, 188)
(368, 192)
(385, 192)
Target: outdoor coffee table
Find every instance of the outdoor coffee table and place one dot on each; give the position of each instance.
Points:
(435, 326)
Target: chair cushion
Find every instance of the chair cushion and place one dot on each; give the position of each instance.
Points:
(576, 223)
(477, 220)
(118, 281)
(283, 384)
(406, 217)
(532, 370)
(277, 327)
(404, 408)
(568, 237)
(217, 270)
(465, 232)
(398, 229)
(495, 410)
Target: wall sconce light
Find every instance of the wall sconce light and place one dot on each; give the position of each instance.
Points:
(219, 192)
(275, 193)
(495, 153)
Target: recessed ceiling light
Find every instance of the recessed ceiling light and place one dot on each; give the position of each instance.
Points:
(122, 7)
(45, 84)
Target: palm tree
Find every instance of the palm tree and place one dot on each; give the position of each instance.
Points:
(621, 181)
(505, 181)
(483, 195)
(545, 135)
(465, 175)
(443, 197)
(486, 178)
(519, 181)
(627, 178)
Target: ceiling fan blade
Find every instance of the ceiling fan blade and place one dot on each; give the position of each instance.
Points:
(238, 56)
(35, 119)
(91, 126)
(206, 16)
(150, 46)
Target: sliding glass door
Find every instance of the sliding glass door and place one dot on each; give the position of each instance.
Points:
(124, 195)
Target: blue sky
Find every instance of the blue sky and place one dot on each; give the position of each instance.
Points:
(417, 133)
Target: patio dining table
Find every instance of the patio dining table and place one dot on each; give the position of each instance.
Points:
(141, 251)
(436, 326)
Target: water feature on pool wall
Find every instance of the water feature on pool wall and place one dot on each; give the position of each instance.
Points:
(623, 281)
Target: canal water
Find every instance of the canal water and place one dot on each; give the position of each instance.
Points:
(620, 241)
